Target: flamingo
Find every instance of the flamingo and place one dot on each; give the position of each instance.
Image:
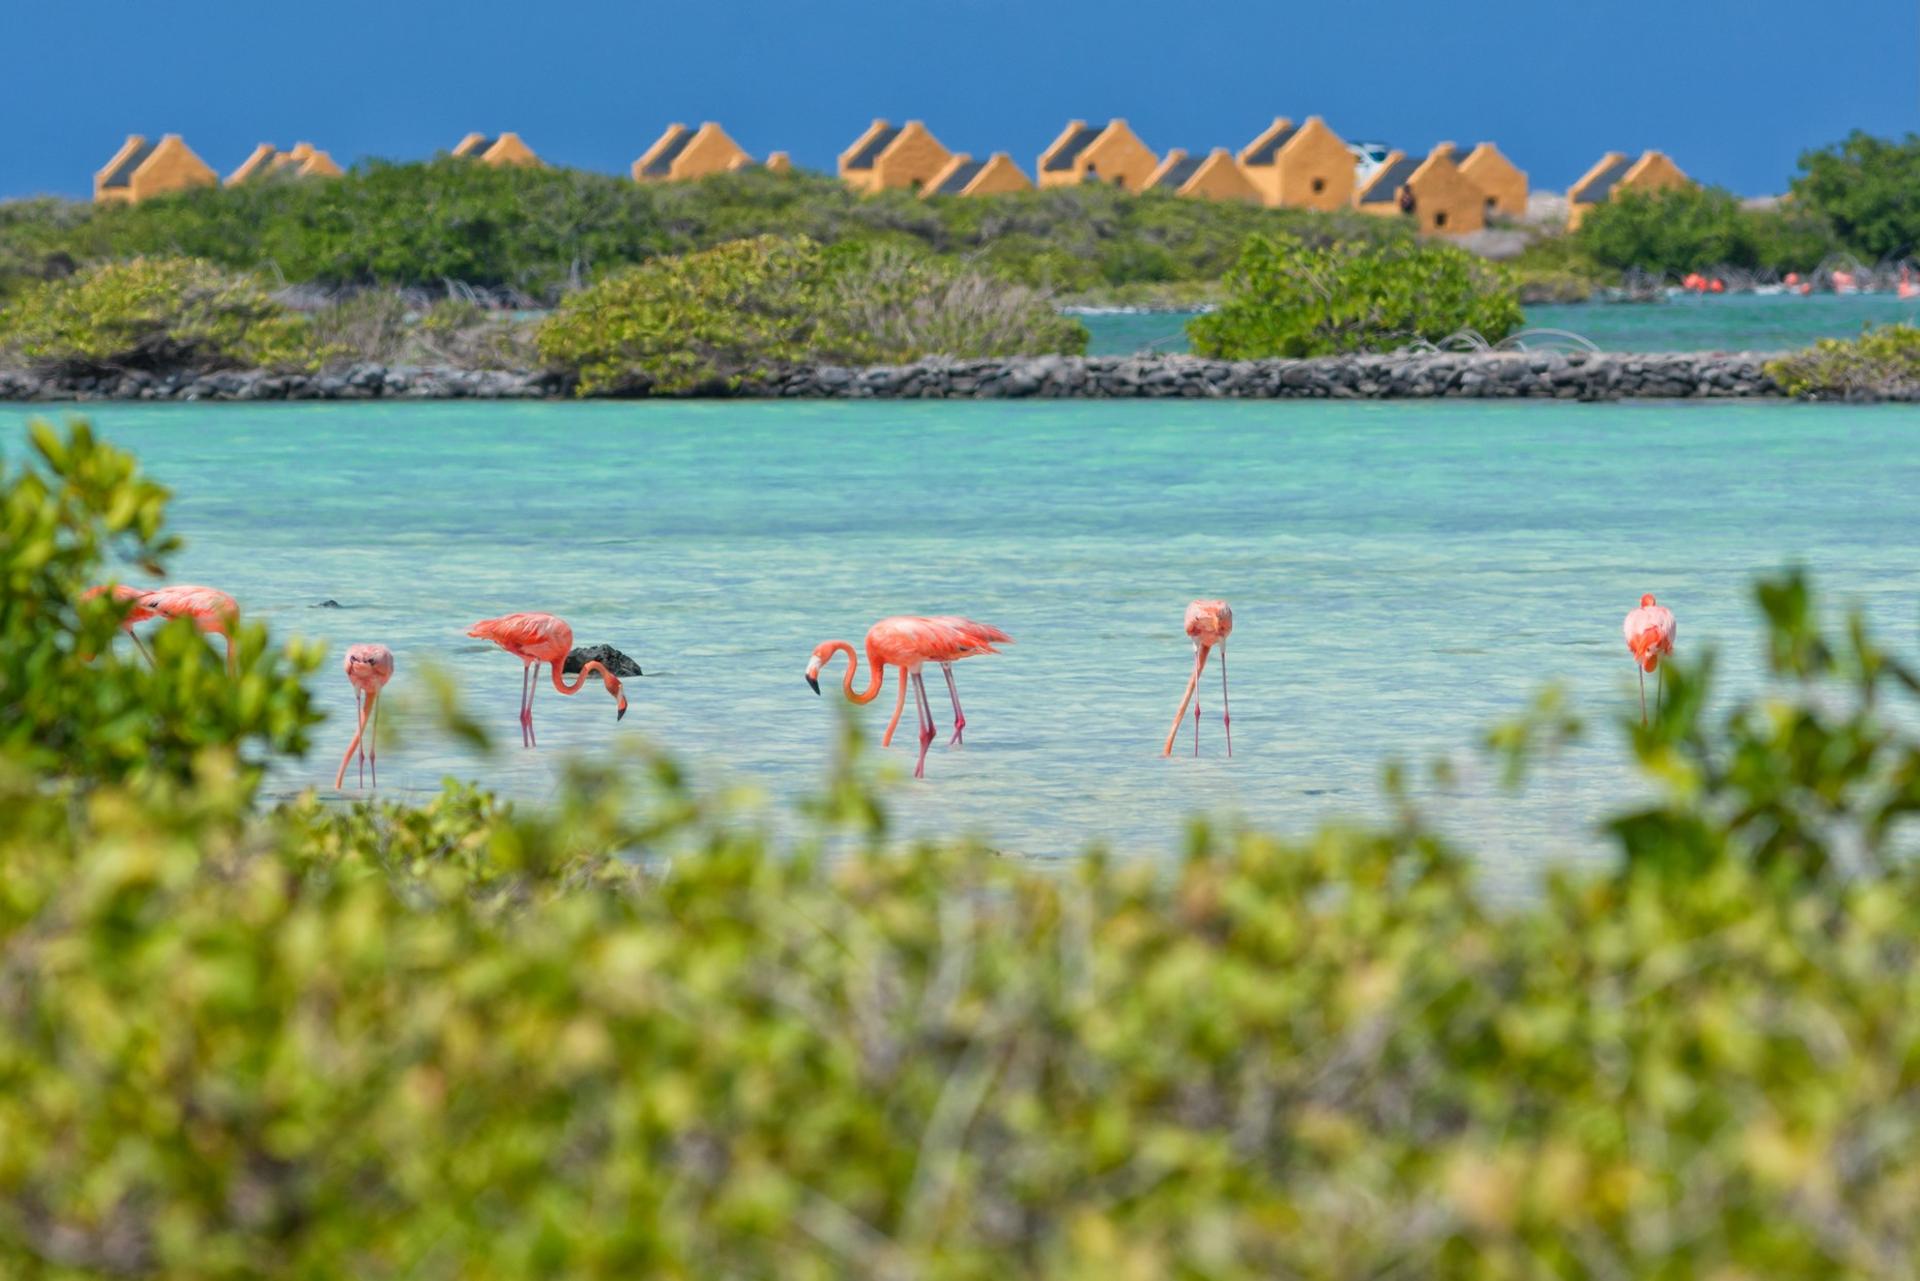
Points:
(1209, 623)
(1650, 630)
(1906, 290)
(541, 638)
(368, 668)
(907, 642)
(210, 609)
(136, 613)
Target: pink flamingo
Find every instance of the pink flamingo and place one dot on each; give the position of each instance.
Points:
(211, 610)
(907, 642)
(1906, 290)
(1650, 630)
(1209, 623)
(136, 613)
(541, 638)
(368, 668)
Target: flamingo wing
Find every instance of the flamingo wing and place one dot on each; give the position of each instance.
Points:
(209, 607)
(948, 637)
(529, 635)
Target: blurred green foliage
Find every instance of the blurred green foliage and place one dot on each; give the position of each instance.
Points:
(750, 308)
(1289, 298)
(628, 1035)
(152, 313)
(1883, 361)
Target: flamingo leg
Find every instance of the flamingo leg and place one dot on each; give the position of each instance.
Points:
(364, 699)
(532, 737)
(229, 639)
(1660, 689)
(1226, 712)
(1643, 694)
(373, 736)
(1199, 661)
(959, 717)
(1196, 728)
(924, 710)
(526, 669)
(340, 775)
(899, 705)
(141, 646)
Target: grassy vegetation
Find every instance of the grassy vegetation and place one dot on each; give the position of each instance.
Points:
(675, 323)
(628, 1035)
(750, 308)
(151, 313)
(1287, 298)
(544, 231)
(1881, 363)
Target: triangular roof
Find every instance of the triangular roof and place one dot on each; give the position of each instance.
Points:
(1175, 170)
(867, 147)
(1393, 174)
(1066, 149)
(658, 162)
(1599, 181)
(962, 170)
(1265, 149)
(132, 154)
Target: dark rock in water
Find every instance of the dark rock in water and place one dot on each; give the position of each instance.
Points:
(328, 603)
(606, 655)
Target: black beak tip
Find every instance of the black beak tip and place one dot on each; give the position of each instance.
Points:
(620, 714)
(815, 683)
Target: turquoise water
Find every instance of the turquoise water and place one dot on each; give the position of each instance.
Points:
(1403, 576)
(1741, 322)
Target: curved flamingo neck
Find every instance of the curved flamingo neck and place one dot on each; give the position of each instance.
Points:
(580, 678)
(876, 673)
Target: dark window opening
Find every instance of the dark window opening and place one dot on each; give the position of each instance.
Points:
(1319, 185)
(1119, 180)
(1440, 219)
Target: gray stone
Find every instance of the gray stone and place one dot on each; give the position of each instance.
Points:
(606, 655)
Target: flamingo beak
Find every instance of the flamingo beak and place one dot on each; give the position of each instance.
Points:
(620, 712)
(813, 681)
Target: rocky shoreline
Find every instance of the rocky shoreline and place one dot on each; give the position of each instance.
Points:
(1587, 376)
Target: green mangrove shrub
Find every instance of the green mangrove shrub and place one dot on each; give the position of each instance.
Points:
(1286, 297)
(748, 309)
(1883, 362)
(1865, 187)
(629, 1035)
(1683, 229)
(152, 314)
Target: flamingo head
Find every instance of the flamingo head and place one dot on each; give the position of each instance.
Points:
(822, 655)
(1647, 599)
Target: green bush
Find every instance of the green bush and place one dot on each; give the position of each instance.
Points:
(75, 709)
(153, 314)
(628, 1036)
(744, 311)
(1684, 229)
(1869, 189)
(1288, 298)
(1881, 363)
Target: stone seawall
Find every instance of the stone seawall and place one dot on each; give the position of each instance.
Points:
(1486, 375)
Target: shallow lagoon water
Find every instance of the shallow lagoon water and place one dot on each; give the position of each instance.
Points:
(1725, 322)
(1403, 575)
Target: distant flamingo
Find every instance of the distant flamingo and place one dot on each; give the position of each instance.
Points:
(369, 668)
(1906, 290)
(211, 610)
(1650, 630)
(136, 613)
(541, 638)
(1209, 623)
(907, 642)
